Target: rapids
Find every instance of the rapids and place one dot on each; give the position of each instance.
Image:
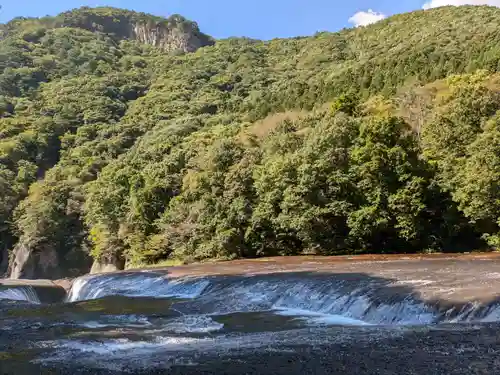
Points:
(152, 318)
(320, 298)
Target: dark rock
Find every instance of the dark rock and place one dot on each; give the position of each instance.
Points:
(44, 262)
(4, 261)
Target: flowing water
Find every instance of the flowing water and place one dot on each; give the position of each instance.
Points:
(20, 293)
(153, 319)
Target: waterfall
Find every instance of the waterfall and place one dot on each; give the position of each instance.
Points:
(311, 296)
(20, 293)
(138, 284)
(300, 295)
(354, 301)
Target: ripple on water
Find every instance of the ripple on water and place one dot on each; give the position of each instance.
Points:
(127, 321)
(193, 324)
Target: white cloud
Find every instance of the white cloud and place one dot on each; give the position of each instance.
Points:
(366, 18)
(441, 3)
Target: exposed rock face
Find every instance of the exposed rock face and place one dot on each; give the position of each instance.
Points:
(108, 265)
(184, 39)
(4, 261)
(46, 263)
(28, 265)
(173, 34)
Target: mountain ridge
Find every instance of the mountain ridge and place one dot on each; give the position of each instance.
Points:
(123, 24)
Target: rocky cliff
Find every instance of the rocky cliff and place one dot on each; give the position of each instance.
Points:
(172, 34)
(185, 39)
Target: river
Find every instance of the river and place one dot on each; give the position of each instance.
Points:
(369, 315)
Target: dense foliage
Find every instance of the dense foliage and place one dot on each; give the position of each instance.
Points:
(376, 139)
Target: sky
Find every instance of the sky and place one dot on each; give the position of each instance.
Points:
(261, 19)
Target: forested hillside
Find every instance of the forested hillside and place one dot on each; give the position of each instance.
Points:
(136, 150)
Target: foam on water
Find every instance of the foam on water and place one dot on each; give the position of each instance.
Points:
(20, 293)
(121, 345)
(182, 324)
(193, 324)
(318, 318)
(116, 354)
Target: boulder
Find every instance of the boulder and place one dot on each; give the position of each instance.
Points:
(112, 264)
(44, 262)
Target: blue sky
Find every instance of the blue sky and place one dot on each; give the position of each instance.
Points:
(263, 19)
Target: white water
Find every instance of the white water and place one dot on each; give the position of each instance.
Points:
(120, 345)
(134, 285)
(324, 298)
(193, 324)
(318, 318)
(321, 300)
(182, 324)
(315, 299)
(20, 293)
